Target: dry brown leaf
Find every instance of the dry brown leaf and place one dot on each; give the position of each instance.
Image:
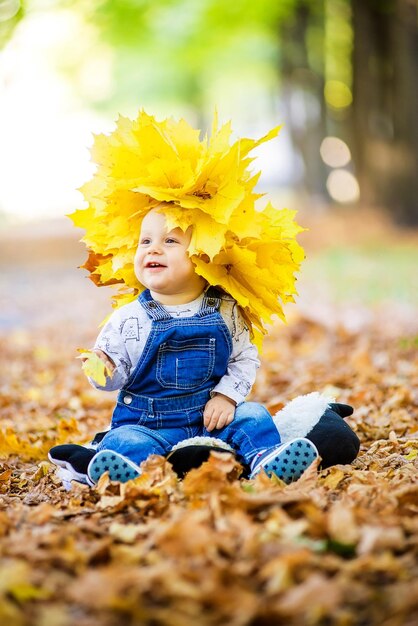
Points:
(342, 525)
(314, 599)
(377, 538)
(41, 514)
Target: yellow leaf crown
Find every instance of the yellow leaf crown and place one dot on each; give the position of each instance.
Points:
(252, 255)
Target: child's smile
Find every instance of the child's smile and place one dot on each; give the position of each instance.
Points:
(154, 267)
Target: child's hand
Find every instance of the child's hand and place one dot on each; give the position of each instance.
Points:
(110, 366)
(96, 365)
(219, 412)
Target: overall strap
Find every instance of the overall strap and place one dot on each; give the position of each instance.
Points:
(211, 302)
(154, 309)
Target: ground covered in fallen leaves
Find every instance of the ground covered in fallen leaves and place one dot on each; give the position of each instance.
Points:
(339, 547)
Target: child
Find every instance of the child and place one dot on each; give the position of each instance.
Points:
(210, 271)
(182, 357)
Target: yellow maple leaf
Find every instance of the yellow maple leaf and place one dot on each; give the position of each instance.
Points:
(93, 366)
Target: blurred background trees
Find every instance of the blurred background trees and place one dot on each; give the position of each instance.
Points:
(341, 74)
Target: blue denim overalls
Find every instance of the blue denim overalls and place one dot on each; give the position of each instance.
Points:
(164, 398)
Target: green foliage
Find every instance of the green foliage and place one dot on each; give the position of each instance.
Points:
(174, 49)
(369, 275)
(125, 23)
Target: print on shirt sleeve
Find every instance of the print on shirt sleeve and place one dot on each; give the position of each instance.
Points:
(242, 387)
(107, 345)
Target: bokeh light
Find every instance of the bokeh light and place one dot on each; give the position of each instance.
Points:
(335, 152)
(343, 186)
(8, 9)
(337, 94)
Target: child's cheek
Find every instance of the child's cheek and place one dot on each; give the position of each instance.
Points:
(137, 266)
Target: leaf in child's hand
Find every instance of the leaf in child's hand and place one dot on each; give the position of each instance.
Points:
(94, 367)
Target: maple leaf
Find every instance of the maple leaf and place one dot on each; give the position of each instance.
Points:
(93, 366)
(205, 183)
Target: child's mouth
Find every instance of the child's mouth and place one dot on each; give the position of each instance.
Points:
(154, 266)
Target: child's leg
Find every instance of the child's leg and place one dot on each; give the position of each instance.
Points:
(251, 432)
(123, 448)
(137, 443)
(254, 436)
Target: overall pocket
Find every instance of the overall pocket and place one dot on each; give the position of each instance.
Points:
(186, 364)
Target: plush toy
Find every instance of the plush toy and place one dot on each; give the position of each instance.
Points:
(313, 416)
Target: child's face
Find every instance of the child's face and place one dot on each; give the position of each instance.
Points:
(162, 263)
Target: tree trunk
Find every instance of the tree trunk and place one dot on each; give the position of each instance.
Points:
(302, 94)
(385, 105)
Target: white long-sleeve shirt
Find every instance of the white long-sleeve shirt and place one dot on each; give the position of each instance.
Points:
(124, 336)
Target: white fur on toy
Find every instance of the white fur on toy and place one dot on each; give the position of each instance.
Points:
(300, 415)
(211, 442)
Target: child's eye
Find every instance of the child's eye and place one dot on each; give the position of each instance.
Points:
(146, 240)
(170, 240)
